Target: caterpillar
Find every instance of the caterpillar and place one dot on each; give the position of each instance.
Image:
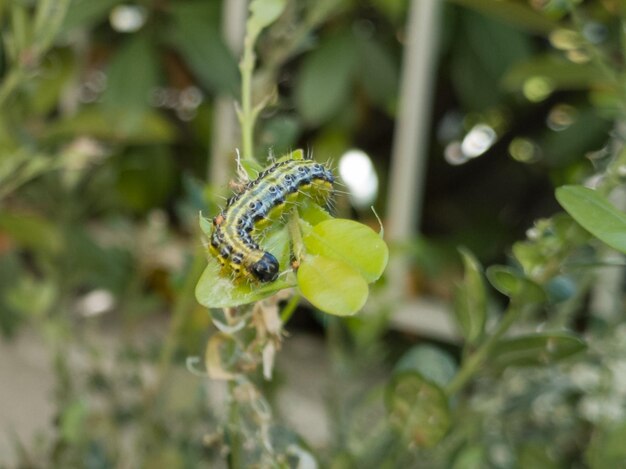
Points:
(235, 230)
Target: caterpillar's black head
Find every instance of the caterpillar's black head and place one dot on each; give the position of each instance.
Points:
(266, 269)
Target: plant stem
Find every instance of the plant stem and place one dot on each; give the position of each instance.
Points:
(296, 235)
(247, 115)
(474, 361)
(233, 420)
(289, 308)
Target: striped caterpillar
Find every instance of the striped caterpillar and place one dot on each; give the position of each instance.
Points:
(247, 213)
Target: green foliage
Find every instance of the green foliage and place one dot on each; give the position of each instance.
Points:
(100, 126)
(595, 213)
(337, 259)
(418, 409)
(536, 349)
(470, 299)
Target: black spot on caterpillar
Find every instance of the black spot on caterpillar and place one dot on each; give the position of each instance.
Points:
(261, 201)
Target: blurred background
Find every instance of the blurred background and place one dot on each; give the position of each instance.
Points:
(117, 128)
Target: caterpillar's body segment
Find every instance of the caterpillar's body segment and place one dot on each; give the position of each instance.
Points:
(263, 200)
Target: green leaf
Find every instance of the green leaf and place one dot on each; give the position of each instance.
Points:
(512, 284)
(351, 242)
(139, 55)
(470, 300)
(432, 363)
(607, 448)
(332, 285)
(418, 409)
(515, 13)
(324, 79)
(195, 35)
(595, 213)
(31, 231)
(265, 12)
(536, 349)
(561, 73)
(379, 73)
(218, 290)
(85, 13)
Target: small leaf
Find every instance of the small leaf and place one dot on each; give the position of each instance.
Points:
(470, 300)
(595, 213)
(332, 285)
(418, 409)
(430, 362)
(536, 349)
(323, 84)
(206, 225)
(265, 12)
(514, 285)
(352, 242)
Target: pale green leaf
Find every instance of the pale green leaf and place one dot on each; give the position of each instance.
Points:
(332, 285)
(353, 243)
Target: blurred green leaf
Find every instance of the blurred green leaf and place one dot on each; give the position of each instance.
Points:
(485, 52)
(515, 13)
(145, 177)
(471, 457)
(351, 242)
(85, 13)
(150, 128)
(31, 231)
(432, 363)
(31, 296)
(595, 213)
(560, 72)
(279, 134)
(512, 284)
(195, 35)
(379, 73)
(264, 12)
(607, 448)
(537, 455)
(73, 420)
(323, 83)
(131, 94)
(536, 349)
(418, 409)
(470, 299)
(44, 94)
(331, 285)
